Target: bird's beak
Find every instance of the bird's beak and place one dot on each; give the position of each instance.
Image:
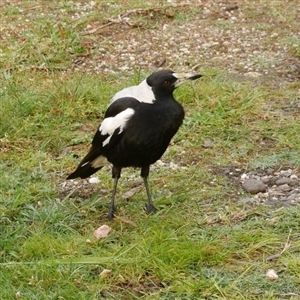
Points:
(185, 77)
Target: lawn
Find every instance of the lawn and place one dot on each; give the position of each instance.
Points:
(61, 62)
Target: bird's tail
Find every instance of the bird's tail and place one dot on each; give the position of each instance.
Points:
(89, 165)
(83, 172)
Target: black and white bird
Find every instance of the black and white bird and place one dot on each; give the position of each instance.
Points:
(137, 129)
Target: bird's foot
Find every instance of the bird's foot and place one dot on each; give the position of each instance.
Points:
(150, 208)
(112, 210)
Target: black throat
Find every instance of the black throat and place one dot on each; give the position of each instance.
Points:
(163, 93)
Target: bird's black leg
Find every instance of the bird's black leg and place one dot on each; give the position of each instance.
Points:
(150, 208)
(116, 173)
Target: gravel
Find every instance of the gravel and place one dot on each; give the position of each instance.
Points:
(272, 187)
(279, 187)
(247, 40)
(253, 40)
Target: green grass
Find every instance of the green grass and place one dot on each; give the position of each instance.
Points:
(201, 244)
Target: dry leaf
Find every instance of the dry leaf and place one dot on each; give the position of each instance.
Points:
(130, 193)
(125, 220)
(105, 273)
(102, 232)
(64, 152)
(271, 274)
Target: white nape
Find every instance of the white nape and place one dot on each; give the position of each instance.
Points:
(142, 92)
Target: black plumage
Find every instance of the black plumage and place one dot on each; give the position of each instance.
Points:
(136, 132)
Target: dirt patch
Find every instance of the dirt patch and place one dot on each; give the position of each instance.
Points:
(79, 189)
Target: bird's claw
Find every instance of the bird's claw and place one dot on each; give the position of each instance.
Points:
(150, 208)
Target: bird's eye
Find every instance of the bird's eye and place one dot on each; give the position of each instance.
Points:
(167, 82)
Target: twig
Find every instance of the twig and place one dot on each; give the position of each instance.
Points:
(287, 245)
(288, 295)
(258, 293)
(237, 217)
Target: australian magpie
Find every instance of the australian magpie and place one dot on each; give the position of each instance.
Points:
(136, 130)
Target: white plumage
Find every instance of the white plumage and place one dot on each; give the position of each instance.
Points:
(111, 124)
(142, 92)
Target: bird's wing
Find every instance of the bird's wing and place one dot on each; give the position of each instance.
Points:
(106, 137)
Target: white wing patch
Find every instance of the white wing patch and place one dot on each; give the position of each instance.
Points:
(109, 125)
(142, 92)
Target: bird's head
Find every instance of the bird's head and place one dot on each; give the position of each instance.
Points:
(167, 81)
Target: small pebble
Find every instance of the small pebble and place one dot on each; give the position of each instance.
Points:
(94, 180)
(271, 274)
(244, 176)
